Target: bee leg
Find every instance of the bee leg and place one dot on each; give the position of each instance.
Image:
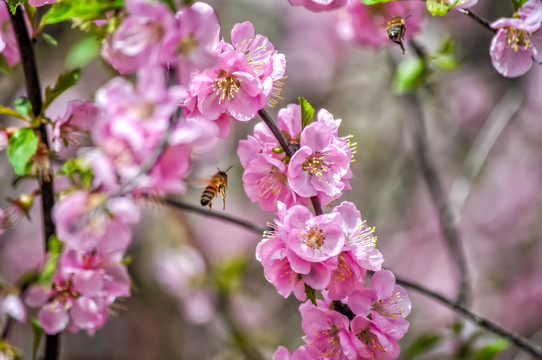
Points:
(210, 205)
(402, 46)
(223, 193)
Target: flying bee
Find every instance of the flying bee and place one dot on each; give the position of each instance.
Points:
(217, 184)
(396, 30)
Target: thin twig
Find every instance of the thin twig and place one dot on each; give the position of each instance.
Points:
(481, 321)
(501, 115)
(203, 211)
(480, 20)
(451, 235)
(33, 90)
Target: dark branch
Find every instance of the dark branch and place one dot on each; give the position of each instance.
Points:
(203, 211)
(480, 20)
(518, 340)
(33, 89)
(451, 235)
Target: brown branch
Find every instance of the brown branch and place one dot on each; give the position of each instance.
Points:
(480, 20)
(481, 321)
(430, 176)
(33, 89)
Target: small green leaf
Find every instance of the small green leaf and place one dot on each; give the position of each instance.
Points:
(228, 275)
(54, 245)
(22, 146)
(518, 3)
(410, 74)
(311, 294)
(24, 106)
(444, 61)
(51, 40)
(4, 66)
(307, 112)
(38, 332)
(13, 5)
(79, 167)
(491, 350)
(422, 344)
(438, 7)
(83, 52)
(63, 83)
(10, 112)
(48, 271)
(170, 4)
(77, 9)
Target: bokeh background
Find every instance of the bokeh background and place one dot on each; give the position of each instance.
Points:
(174, 312)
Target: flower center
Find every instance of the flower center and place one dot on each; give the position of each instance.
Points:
(328, 342)
(314, 238)
(226, 85)
(187, 45)
(518, 39)
(272, 183)
(370, 340)
(390, 306)
(316, 164)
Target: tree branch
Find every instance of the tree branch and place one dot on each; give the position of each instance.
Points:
(480, 20)
(430, 176)
(481, 321)
(33, 89)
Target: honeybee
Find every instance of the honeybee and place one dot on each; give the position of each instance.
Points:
(396, 30)
(218, 184)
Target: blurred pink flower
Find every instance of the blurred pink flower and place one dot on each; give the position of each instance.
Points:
(12, 305)
(518, 40)
(80, 116)
(8, 44)
(199, 29)
(38, 3)
(148, 36)
(304, 352)
(366, 24)
(319, 5)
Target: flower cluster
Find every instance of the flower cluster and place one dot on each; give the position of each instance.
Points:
(90, 274)
(320, 167)
(329, 253)
(365, 326)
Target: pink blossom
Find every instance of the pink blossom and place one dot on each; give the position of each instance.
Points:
(231, 87)
(199, 29)
(327, 331)
(366, 24)
(92, 221)
(304, 352)
(319, 5)
(79, 117)
(322, 163)
(12, 305)
(387, 303)
(518, 40)
(371, 343)
(8, 44)
(147, 37)
(38, 3)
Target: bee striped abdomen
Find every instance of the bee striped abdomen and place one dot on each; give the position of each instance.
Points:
(217, 184)
(208, 194)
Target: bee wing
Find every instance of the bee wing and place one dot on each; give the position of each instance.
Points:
(198, 182)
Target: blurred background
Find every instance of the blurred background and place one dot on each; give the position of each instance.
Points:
(179, 312)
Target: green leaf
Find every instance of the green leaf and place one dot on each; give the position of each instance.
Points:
(13, 5)
(79, 167)
(410, 74)
(10, 112)
(422, 344)
(51, 40)
(518, 3)
(307, 112)
(38, 332)
(438, 7)
(83, 52)
(48, 271)
(4, 66)
(491, 350)
(445, 57)
(63, 83)
(82, 10)
(228, 274)
(170, 4)
(311, 294)
(54, 245)
(24, 106)
(22, 146)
